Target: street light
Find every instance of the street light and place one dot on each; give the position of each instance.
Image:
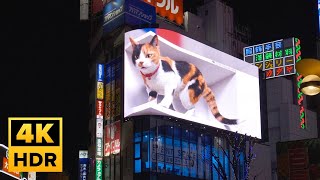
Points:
(310, 69)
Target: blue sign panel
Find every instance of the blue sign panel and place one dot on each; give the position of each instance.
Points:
(100, 72)
(131, 12)
(248, 51)
(268, 47)
(83, 168)
(258, 49)
(139, 12)
(113, 13)
(278, 45)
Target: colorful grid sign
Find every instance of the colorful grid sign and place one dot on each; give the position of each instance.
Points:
(276, 58)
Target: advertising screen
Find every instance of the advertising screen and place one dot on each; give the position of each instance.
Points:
(169, 74)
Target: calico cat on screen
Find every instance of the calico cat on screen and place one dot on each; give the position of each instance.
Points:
(179, 79)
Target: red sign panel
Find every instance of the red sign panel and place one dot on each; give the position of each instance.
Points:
(99, 109)
(171, 9)
(112, 139)
(5, 168)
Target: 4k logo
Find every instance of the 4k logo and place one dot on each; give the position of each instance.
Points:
(35, 144)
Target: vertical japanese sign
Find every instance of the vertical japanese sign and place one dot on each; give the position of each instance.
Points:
(99, 116)
(83, 161)
(276, 58)
(98, 169)
(112, 139)
(302, 113)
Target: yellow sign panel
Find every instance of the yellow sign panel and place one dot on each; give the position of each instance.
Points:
(35, 144)
(100, 90)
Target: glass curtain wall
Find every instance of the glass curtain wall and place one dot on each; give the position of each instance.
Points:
(165, 146)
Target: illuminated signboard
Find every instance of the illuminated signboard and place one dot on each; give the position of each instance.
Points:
(100, 90)
(99, 169)
(99, 116)
(99, 128)
(212, 78)
(171, 9)
(302, 112)
(99, 109)
(112, 139)
(276, 58)
(131, 12)
(83, 160)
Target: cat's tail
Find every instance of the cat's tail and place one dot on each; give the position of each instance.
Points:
(212, 103)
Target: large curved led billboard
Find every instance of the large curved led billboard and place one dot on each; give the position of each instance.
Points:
(169, 74)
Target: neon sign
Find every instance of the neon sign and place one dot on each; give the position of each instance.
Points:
(275, 58)
(299, 81)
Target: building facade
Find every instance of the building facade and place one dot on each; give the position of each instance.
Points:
(162, 147)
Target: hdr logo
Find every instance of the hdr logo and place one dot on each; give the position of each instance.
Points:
(35, 144)
(171, 9)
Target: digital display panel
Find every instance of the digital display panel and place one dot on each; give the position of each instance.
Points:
(166, 73)
(276, 58)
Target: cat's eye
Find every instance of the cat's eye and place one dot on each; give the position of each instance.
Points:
(136, 57)
(149, 55)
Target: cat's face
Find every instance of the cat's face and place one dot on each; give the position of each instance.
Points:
(146, 57)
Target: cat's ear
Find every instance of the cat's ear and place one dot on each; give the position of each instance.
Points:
(133, 42)
(154, 41)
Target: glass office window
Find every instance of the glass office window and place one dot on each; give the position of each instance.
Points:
(215, 151)
(137, 166)
(153, 149)
(208, 155)
(160, 145)
(169, 149)
(185, 152)
(165, 147)
(193, 154)
(226, 161)
(201, 159)
(241, 166)
(145, 151)
(177, 151)
(137, 150)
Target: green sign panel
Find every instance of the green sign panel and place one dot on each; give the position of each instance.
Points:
(98, 169)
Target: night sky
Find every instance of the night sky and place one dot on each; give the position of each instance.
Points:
(44, 59)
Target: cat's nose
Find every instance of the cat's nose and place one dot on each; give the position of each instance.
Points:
(140, 64)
